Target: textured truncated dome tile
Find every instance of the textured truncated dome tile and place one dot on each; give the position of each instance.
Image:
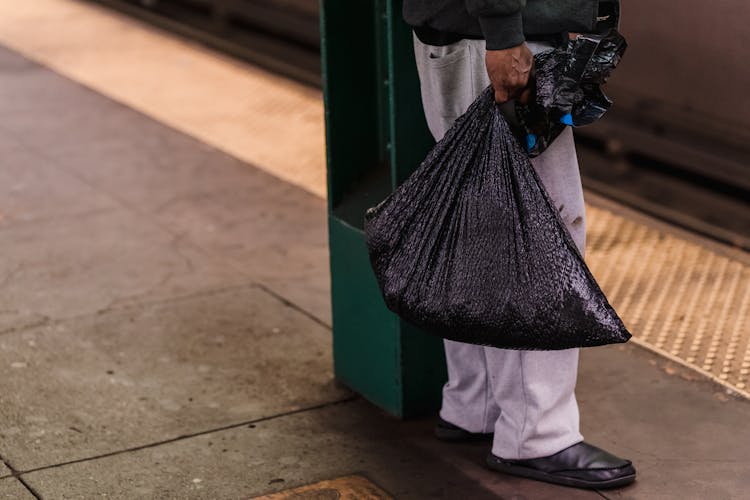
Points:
(680, 299)
(342, 488)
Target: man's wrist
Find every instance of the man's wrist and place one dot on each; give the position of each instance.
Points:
(502, 32)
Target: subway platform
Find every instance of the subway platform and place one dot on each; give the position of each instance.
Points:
(164, 311)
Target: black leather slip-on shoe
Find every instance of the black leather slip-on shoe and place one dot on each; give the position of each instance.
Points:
(446, 431)
(581, 466)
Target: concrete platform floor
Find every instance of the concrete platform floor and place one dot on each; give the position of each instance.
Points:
(164, 334)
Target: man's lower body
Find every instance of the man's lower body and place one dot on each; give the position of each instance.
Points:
(526, 398)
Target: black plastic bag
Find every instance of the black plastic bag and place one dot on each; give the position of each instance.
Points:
(470, 247)
(567, 88)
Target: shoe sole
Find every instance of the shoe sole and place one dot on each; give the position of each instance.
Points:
(517, 470)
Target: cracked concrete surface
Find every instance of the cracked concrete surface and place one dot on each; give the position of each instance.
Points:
(157, 371)
(12, 489)
(258, 226)
(128, 316)
(352, 437)
(83, 264)
(298, 449)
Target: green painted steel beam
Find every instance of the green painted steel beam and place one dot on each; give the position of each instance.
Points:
(376, 136)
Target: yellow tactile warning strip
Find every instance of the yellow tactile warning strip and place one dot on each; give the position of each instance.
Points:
(678, 298)
(343, 488)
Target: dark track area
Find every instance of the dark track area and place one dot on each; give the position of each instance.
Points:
(667, 191)
(279, 35)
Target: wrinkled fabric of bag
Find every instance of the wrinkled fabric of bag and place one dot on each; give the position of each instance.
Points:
(471, 248)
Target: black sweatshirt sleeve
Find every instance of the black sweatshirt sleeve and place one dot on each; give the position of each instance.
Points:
(501, 22)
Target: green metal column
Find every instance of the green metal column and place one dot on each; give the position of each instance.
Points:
(376, 136)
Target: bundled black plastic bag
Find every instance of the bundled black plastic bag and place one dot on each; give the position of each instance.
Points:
(471, 247)
(567, 88)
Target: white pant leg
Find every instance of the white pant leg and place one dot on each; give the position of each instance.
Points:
(468, 401)
(526, 396)
(536, 389)
(558, 169)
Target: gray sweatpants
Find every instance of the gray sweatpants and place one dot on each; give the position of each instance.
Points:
(527, 398)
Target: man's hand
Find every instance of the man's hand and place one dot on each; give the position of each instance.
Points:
(509, 71)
